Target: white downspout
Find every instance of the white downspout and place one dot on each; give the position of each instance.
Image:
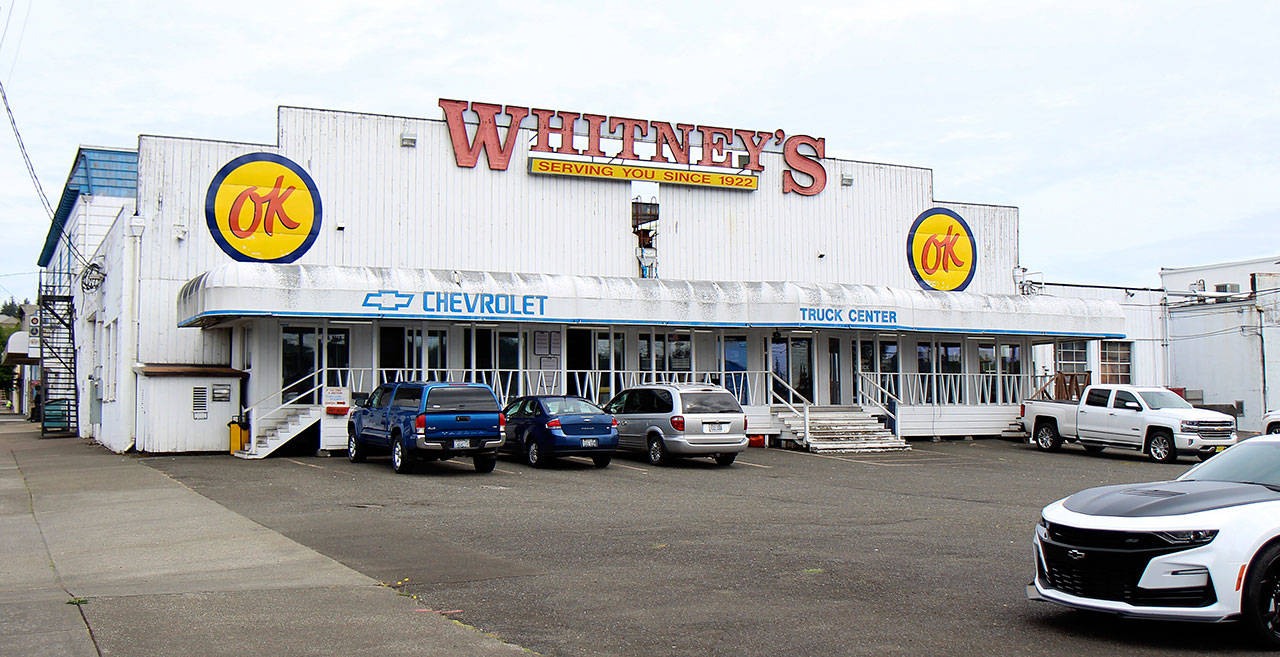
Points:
(129, 327)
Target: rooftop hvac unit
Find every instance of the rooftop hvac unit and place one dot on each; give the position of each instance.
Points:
(1227, 288)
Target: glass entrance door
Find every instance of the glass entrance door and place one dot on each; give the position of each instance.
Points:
(793, 363)
(337, 355)
(299, 358)
(735, 366)
(594, 359)
(400, 353)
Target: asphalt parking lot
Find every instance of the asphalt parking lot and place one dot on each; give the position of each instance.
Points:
(784, 552)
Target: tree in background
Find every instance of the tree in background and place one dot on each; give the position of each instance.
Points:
(12, 309)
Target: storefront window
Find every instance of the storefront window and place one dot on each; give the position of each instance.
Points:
(337, 355)
(986, 359)
(833, 369)
(248, 348)
(988, 384)
(735, 360)
(1011, 359)
(888, 357)
(1071, 357)
(437, 349)
(681, 352)
(399, 353)
(924, 357)
(924, 383)
(1117, 362)
(889, 366)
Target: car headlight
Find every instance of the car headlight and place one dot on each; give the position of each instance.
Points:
(1190, 537)
(1189, 426)
(1042, 529)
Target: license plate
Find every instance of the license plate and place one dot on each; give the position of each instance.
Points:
(717, 427)
(590, 442)
(461, 444)
(1219, 448)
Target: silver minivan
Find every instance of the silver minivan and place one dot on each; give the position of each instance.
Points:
(680, 419)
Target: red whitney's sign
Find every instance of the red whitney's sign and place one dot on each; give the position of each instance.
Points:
(674, 143)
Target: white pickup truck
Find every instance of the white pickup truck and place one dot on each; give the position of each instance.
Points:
(1153, 420)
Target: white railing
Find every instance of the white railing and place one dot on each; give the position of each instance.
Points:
(886, 392)
(750, 387)
(925, 389)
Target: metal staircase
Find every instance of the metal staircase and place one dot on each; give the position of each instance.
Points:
(271, 433)
(60, 396)
(841, 430)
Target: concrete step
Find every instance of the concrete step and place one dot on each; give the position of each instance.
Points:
(859, 445)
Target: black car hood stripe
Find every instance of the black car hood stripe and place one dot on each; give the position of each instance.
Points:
(1166, 498)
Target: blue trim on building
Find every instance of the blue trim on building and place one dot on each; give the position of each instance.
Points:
(96, 172)
(193, 321)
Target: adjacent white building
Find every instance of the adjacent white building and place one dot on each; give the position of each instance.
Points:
(1209, 332)
(279, 280)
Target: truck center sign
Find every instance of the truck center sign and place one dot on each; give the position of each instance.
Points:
(674, 145)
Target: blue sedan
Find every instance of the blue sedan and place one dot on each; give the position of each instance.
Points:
(544, 427)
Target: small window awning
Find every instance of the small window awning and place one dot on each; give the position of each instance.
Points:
(243, 290)
(21, 350)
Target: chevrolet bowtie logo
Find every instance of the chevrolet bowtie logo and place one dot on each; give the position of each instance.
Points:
(387, 300)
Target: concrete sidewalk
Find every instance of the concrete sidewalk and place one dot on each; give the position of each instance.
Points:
(162, 570)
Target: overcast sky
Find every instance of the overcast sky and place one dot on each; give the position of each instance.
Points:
(1131, 135)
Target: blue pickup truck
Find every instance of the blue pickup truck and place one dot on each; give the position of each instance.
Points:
(427, 421)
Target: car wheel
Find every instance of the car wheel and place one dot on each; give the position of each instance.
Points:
(1093, 449)
(355, 453)
(725, 459)
(1161, 449)
(658, 452)
(399, 461)
(1261, 600)
(533, 454)
(1047, 438)
(602, 461)
(485, 462)
(1274, 428)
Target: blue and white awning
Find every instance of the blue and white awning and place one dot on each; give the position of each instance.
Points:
(242, 290)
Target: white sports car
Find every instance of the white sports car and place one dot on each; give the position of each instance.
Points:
(1205, 547)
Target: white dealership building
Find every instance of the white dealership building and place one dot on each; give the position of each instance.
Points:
(199, 279)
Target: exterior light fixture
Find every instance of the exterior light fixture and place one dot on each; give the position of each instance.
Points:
(846, 180)
(408, 139)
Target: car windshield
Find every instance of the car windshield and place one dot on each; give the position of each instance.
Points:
(569, 406)
(461, 398)
(1158, 399)
(710, 402)
(1246, 463)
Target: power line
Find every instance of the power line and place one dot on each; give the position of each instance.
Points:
(17, 49)
(35, 180)
(6, 24)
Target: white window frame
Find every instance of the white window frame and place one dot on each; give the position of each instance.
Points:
(1071, 356)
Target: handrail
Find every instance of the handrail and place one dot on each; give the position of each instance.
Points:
(868, 378)
(286, 387)
(773, 395)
